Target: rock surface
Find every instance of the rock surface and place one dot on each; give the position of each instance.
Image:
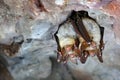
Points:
(36, 58)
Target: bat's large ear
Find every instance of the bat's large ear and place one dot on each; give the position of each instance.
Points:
(84, 56)
(99, 56)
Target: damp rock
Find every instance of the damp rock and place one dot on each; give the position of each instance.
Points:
(33, 62)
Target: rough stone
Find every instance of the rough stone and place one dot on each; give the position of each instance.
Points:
(33, 60)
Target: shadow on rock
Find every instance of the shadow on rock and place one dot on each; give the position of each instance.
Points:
(62, 72)
(4, 73)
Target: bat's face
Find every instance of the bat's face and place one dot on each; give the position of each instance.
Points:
(68, 53)
(79, 37)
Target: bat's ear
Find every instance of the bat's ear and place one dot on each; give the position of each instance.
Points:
(99, 56)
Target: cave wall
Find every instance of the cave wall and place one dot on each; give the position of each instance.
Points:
(37, 20)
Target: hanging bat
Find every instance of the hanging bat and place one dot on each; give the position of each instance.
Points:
(67, 41)
(95, 32)
(79, 36)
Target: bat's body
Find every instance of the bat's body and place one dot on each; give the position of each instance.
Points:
(66, 34)
(93, 29)
(67, 41)
(80, 36)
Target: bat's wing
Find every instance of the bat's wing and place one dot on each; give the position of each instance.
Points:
(99, 54)
(79, 26)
